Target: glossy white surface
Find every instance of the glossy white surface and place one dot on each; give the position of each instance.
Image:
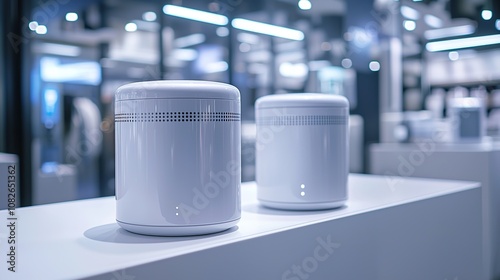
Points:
(178, 160)
(418, 229)
(302, 151)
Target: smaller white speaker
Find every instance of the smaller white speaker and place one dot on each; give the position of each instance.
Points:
(302, 151)
(178, 157)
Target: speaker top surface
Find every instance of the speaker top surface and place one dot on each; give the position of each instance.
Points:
(177, 89)
(301, 100)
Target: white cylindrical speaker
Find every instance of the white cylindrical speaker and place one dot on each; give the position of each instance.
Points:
(178, 156)
(302, 151)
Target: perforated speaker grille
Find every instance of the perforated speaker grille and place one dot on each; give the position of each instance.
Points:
(301, 120)
(178, 117)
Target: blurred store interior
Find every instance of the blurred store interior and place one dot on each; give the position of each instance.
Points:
(393, 60)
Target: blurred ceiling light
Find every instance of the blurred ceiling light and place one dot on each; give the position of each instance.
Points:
(185, 54)
(297, 70)
(497, 24)
(41, 29)
(305, 4)
(410, 13)
(215, 67)
(409, 25)
(248, 38)
(57, 49)
(433, 21)
(149, 16)
(71, 16)
(130, 27)
(222, 31)
(268, 29)
(190, 40)
(460, 30)
(463, 43)
(346, 63)
(453, 56)
(196, 15)
(32, 25)
(374, 66)
(486, 14)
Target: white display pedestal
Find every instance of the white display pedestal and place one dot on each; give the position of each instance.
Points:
(472, 162)
(418, 229)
